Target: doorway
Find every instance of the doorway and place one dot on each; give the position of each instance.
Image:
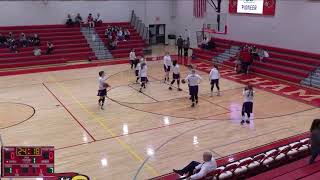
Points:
(157, 34)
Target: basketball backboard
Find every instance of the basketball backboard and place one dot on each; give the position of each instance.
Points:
(215, 23)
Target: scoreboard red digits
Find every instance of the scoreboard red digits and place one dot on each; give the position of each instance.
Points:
(27, 161)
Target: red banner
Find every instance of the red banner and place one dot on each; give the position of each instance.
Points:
(269, 7)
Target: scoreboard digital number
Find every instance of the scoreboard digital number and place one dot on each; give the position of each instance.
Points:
(24, 161)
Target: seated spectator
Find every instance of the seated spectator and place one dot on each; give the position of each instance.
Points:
(69, 21)
(50, 47)
(205, 43)
(98, 20)
(263, 55)
(254, 53)
(197, 170)
(113, 44)
(23, 40)
(10, 35)
(120, 34)
(37, 51)
(78, 19)
(126, 34)
(3, 40)
(90, 21)
(13, 46)
(36, 40)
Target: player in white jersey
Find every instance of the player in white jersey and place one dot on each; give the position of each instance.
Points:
(167, 62)
(193, 81)
(132, 58)
(102, 91)
(137, 69)
(143, 74)
(214, 77)
(247, 103)
(175, 75)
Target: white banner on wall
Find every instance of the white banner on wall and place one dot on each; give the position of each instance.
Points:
(250, 6)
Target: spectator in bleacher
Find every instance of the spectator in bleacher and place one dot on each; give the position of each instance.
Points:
(120, 34)
(3, 40)
(205, 43)
(69, 21)
(186, 46)
(180, 45)
(254, 53)
(263, 55)
(78, 19)
(23, 40)
(113, 44)
(36, 51)
(126, 34)
(36, 40)
(10, 36)
(98, 20)
(50, 47)
(315, 140)
(197, 170)
(90, 21)
(13, 45)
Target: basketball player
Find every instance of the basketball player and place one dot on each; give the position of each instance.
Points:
(143, 75)
(143, 59)
(214, 79)
(166, 66)
(137, 68)
(193, 82)
(102, 92)
(132, 58)
(175, 75)
(247, 104)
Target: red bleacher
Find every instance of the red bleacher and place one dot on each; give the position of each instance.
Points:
(124, 47)
(258, 160)
(289, 65)
(70, 45)
(299, 169)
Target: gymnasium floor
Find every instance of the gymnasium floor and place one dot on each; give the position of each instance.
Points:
(137, 135)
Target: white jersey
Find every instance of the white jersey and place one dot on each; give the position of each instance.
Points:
(167, 60)
(143, 60)
(214, 74)
(248, 95)
(193, 79)
(176, 69)
(102, 82)
(138, 67)
(143, 72)
(132, 56)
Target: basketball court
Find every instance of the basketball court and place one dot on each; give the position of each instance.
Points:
(138, 135)
(50, 106)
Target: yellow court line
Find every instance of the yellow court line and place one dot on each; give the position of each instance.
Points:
(98, 119)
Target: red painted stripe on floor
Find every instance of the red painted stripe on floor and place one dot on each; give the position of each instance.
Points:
(69, 112)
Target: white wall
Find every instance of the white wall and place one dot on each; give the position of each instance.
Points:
(295, 25)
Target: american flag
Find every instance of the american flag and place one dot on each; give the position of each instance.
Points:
(199, 8)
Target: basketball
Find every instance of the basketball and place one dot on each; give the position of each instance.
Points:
(106, 85)
(183, 81)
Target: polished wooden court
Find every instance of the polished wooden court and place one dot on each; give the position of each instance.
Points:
(138, 135)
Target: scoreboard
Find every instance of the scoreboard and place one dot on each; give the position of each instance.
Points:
(27, 161)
